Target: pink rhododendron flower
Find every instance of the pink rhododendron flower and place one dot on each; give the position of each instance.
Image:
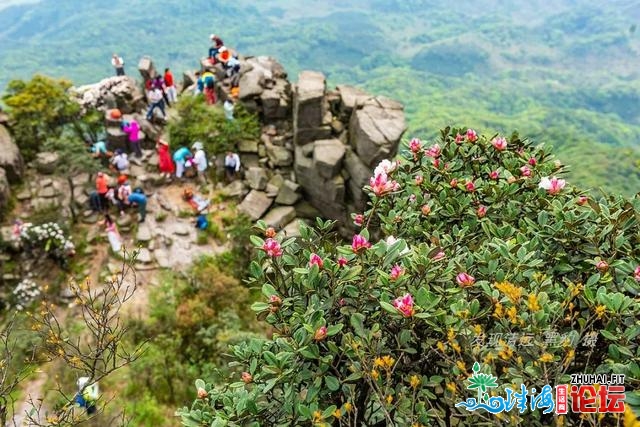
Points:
(272, 248)
(472, 136)
(412, 198)
(433, 151)
(419, 179)
(320, 334)
(453, 183)
(439, 256)
(553, 185)
(525, 171)
(396, 272)
(436, 163)
(426, 209)
(459, 138)
(465, 280)
(415, 145)
(582, 200)
(386, 167)
(636, 274)
(342, 261)
(533, 161)
(359, 243)
(342, 302)
(275, 300)
(482, 211)
(358, 220)
(404, 305)
(381, 185)
(315, 259)
(246, 377)
(499, 143)
(470, 186)
(602, 266)
(494, 175)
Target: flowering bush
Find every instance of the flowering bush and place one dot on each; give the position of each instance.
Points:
(25, 293)
(386, 332)
(48, 237)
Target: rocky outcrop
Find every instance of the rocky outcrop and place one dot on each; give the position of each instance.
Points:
(10, 158)
(121, 92)
(5, 191)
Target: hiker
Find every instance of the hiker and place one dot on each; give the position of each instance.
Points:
(102, 187)
(172, 93)
(228, 109)
(207, 85)
(231, 165)
(232, 68)
(87, 395)
(99, 151)
(112, 234)
(204, 79)
(180, 157)
(118, 64)
(120, 161)
(165, 164)
(200, 162)
(224, 55)
(124, 191)
(132, 129)
(156, 100)
(138, 198)
(158, 83)
(217, 44)
(196, 87)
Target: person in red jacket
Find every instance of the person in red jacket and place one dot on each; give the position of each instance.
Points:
(172, 93)
(165, 163)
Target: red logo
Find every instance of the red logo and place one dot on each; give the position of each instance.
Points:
(585, 399)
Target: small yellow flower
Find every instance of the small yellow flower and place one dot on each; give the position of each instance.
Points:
(506, 353)
(512, 291)
(456, 347)
(512, 314)
(533, 303)
(337, 413)
(490, 357)
(416, 425)
(440, 346)
(451, 387)
(546, 358)
(414, 381)
(378, 363)
(348, 407)
(477, 329)
(600, 311)
(388, 362)
(389, 399)
(460, 364)
(451, 334)
(317, 416)
(498, 313)
(375, 375)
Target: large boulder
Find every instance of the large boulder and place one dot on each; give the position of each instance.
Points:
(255, 204)
(359, 175)
(46, 162)
(279, 156)
(121, 92)
(350, 97)
(309, 108)
(257, 178)
(280, 216)
(375, 129)
(328, 155)
(146, 68)
(10, 158)
(288, 194)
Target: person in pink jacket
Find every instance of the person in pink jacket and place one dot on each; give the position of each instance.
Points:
(132, 129)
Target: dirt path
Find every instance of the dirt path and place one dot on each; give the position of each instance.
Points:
(32, 391)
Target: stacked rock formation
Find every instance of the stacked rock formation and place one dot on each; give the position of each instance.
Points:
(11, 164)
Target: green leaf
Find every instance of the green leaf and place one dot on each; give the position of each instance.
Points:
(200, 384)
(388, 307)
(334, 329)
(332, 383)
(357, 323)
(268, 290)
(256, 241)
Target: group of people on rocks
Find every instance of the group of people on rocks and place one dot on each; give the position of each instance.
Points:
(161, 90)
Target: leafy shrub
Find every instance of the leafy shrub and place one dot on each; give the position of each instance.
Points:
(481, 242)
(198, 121)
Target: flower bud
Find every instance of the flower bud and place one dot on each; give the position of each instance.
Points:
(246, 377)
(270, 232)
(602, 266)
(202, 393)
(320, 334)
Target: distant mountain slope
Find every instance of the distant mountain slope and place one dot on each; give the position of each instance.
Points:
(567, 73)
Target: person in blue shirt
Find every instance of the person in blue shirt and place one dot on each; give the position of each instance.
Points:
(180, 157)
(138, 198)
(99, 151)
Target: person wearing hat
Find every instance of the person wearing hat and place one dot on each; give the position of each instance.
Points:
(165, 164)
(102, 188)
(200, 162)
(180, 158)
(217, 44)
(224, 55)
(118, 64)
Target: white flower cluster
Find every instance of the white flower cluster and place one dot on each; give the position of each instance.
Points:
(25, 293)
(49, 235)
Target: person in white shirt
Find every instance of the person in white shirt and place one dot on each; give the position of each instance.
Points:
(200, 162)
(120, 161)
(228, 109)
(118, 64)
(231, 165)
(156, 100)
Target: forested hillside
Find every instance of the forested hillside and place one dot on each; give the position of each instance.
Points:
(566, 74)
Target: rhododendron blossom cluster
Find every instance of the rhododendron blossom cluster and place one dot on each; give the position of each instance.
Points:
(404, 305)
(552, 185)
(315, 259)
(359, 243)
(499, 143)
(272, 248)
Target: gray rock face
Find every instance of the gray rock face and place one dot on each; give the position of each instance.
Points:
(146, 68)
(236, 189)
(248, 146)
(309, 107)
(255, 204)
(279, 156)
(350, 97)
(280, 216)
(5, 192)
(10, 158)
(375, 129)
(46, 162)
(359, 175)
(328, 155)
(144, 256)
(288, 193)
(257, 178)
(120, 92)
(144, 233)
